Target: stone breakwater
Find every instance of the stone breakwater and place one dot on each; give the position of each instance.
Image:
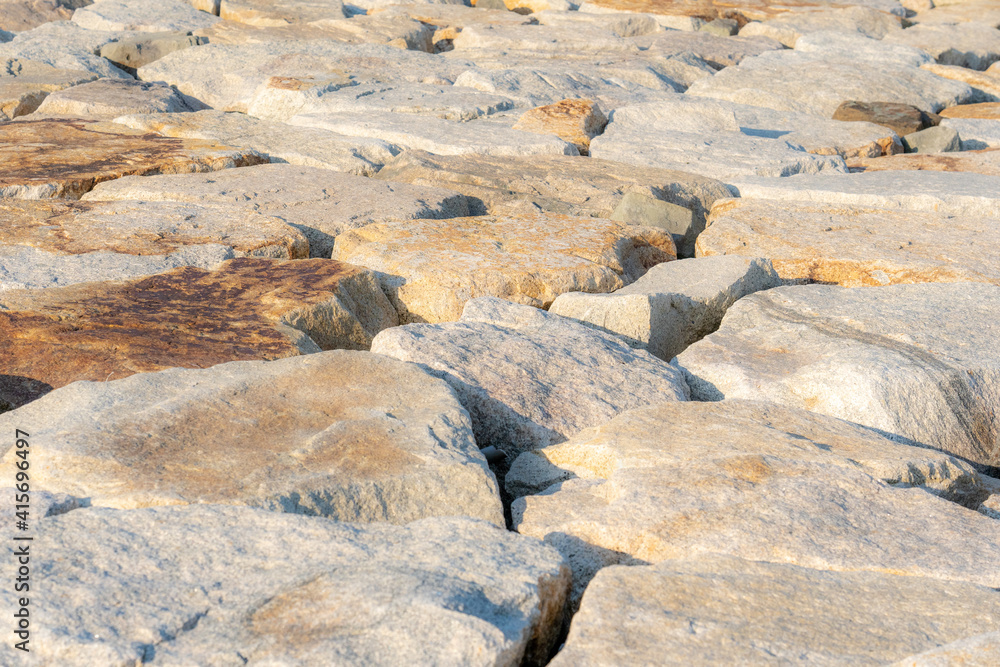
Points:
(515, 332)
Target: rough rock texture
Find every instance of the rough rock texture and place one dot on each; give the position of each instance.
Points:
(19, 15)
(721, 610)
(142, 16)
(985, 110)
(279, 142)
(854, 245)
(978, 162)
(529, 378)
(985, 86)
(979, 651)
(674, 305)
(742, 10)
(220, 585)
(935, 347)
(134, 52)
(320, 203)
(975, 133)
(940, 139)
(719, 52)
(970, 45)
(64, 45)
(787, 28)
(574, 121)
(269, 13)
(24, 84)
(758, 481)
(66, 158)
(352, 436)
(567, 185)
(107, 99)
(902, 119)
(248, 309)
(430, 268)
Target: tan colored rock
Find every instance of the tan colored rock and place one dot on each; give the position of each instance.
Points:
(986, 161)
(741, 10)
(719, 52)
(984, 110)
(575, 121)
(266, 13)
(716, 610)
(900, 118)
(985, 85)
(131, 53)
(19, 15)
(24, 84)
(758, 481)
(66, 158)
(431, 268)
(978, 651)
(106, 99)
(248, 309)
(854, 245)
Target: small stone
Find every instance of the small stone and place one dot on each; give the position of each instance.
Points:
(902, 119)
(574, 121)
(491, 4)
(938, 139)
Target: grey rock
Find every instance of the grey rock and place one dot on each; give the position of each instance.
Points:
(106, 99)
(975, 133)
(789, 27)
(132, 53)
(721, 27)
(971, 45)
(719, 52)
(936, 139)
(977, 651)
(25, 83)
(636, 208)
(142, 16)
(64, 45)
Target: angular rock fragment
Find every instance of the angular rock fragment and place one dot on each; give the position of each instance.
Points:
(574, 121)
(134, 52)
(66, 158)
(347, 435)
(24, 84)
(674, 305)
(142, 16)
(430, 268)
(940, 139)
(902, 119)
(107, 99)
(248, 309)
(213, 585)
(529, 378)
(935, 347)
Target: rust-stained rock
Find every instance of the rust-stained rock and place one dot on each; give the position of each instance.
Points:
(855, 245)
(900, 118)
(24, 84)
(66, 158)
(983, 110)
(431, 268)
(248, 309)
(575, 121)
(986, 161)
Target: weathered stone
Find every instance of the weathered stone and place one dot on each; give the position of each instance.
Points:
(283, 12)
(437, 135)
(720, 610)
(25, 83)
(963, 11)
(542, 40)
(940, 139)
(902, 119)
(107, 99)
(741, 10)
(64, 45)
(66, 158)
(396, 31)
(248, 309)
(935, 345)
(985, 86)
(22, 15)
(818, 48)
(529, 378)
(132, 53)
(347, 435)
(636, 208)
(674, 305)
(978, 162)
(978, 651)
(721, 27)
(956, 194)
(975, 133)
(623, 25)
(447, 19)
(787, 28)
(430, 268)
(970, 45)
(276, 141)
(854, 245)
(754, 480)
(573, 121)
(717, 51)
(985, 110)
(142, 16)
(205, 585)
(320, 203)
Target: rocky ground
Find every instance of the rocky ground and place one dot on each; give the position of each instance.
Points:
(394, 332)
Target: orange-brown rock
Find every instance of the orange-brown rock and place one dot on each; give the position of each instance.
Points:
(431, 268)
(66, 158)
(574, 121)
(986, 161)
(248, 309)
(984, 110)
(900, 118)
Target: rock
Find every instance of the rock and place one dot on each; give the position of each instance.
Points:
(542, 40)
(133, 53)
(573, 121)
(787, 28)
(970, 45)
(984, 110)
(269, 13)
(978, 651)
(529, 378)
(276, 141)
(398, 32)
(208, 584)
(719, 52)
(636, 208)
(721, 27)
(717, 609)
(437, 135)
(984, 85)
(852, 245)
(940, 139)
(956, 194)
(431, 268)
(66, 158)
(976, 133)
(351, 436)
(23, 15)
(674, 305)
(447, 20)
(978, 162)
(319, 203)
(818, 48)
(566, 185)
(902, 119)
(742, 11)
(64, 45)
(248, 309)
(935, 346)
(107, 99)
(25, 83)
(55, 243)
(142, 16)
(753, 480)
(623, 25)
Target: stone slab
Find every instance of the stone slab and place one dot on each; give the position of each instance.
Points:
(24, 84)
(977, 651)
(985, 162)
(106, 99)
(142, 16)
(975, 133)
(972, 45)
(265, 13)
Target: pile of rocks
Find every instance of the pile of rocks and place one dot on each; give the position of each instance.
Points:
(534, 331)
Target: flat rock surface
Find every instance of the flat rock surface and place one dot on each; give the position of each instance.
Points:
(217, 585)
(109, 98)
(259, 309)
(986, 161)
(720, 52)
(24, 84)
(787, 28)
(975, 133)
(978, 651)
(742, 610)
(987, 110)
(66, 158)
(972, 45)
(814, 347)
(985, 86)
(318, 202)
(529, 378)
(65, 45)
(854, 245)
(430, 268)
(348, 435)
(142, 15)
(754, 480)
(284, 12)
